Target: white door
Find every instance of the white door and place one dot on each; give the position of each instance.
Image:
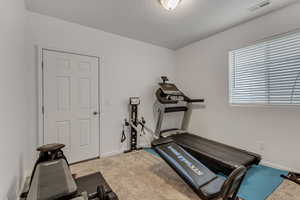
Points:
(71, 103)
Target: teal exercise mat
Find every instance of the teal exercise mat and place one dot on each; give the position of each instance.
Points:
(151, 151)
(260, 182)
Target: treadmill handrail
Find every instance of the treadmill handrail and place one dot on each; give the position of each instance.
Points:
(176, 109)
(189, 100)
(164, 100)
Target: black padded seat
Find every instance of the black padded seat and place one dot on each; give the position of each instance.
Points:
(213, 154)
(50, 147)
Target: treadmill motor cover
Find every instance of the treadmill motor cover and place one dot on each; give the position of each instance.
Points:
(52, 180)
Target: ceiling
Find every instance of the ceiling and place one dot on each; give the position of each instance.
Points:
(147, 21)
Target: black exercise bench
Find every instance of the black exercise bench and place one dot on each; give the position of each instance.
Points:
(52, 180)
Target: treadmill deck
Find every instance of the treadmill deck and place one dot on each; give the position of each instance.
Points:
(214, 152)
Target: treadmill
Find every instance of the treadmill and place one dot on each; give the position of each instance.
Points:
(218, 157)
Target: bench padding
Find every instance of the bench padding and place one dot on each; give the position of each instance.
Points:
(52, 180)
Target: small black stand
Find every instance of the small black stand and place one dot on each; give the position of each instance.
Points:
(134, 102)
(294, 177)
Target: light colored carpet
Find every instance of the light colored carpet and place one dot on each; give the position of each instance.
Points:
(141, 176)
(286, 191)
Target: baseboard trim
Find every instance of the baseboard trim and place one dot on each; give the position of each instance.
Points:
(277, 166)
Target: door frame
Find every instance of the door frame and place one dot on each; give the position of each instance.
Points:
(40, 80)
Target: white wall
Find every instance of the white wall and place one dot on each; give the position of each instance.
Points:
(13, 99)
(202, 69)
(129, 68)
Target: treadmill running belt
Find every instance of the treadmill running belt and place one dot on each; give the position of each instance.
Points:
(188, 167)
(221, 153)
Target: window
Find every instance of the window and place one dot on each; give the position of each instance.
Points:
(267, 73)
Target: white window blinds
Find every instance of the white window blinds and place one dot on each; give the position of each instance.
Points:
(267, 72)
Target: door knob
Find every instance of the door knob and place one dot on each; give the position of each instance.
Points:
(95, 113)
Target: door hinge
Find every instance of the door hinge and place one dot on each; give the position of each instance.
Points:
(42, 64)
(43, 109)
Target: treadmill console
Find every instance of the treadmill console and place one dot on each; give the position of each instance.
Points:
(168, 92)
(171, 92)
(170, 89)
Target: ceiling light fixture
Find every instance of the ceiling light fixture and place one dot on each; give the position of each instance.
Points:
(170, 4)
